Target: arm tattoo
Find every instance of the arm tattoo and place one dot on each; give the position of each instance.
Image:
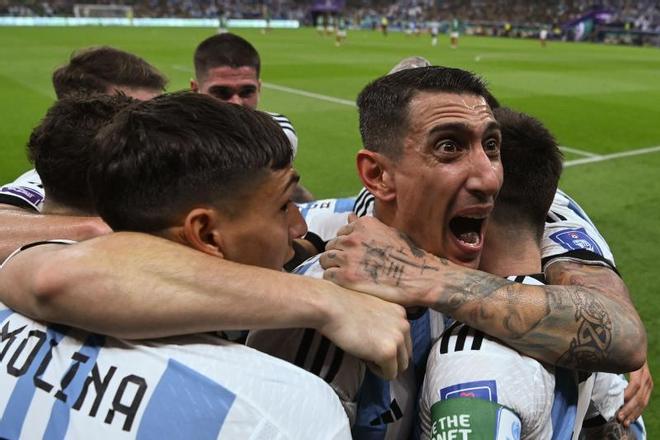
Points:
(381, 262)
(594, 336)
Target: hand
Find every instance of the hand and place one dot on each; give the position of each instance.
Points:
(370, 329)
(371, 257)
(636, 396)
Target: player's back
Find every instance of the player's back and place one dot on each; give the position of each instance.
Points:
(58, 382)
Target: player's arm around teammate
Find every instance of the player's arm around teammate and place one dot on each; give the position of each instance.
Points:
(548, 323)
(204, 294)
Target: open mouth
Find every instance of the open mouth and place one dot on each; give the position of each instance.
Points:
(467, 229)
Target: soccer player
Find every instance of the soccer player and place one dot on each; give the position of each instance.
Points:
(398, 115)
(454, 32)
(103, 70)
(227, 172)
(227, 67)
(472, 377)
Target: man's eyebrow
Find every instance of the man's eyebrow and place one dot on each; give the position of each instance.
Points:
(462, 126)
(293, 180)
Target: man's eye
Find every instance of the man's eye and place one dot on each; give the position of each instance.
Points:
(246, 92)
(446, 146)
(492, 146)
(285, 207)
(222, 93)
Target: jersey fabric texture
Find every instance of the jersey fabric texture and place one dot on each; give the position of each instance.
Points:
(62, 383)
(377, 409)
(325, 217)
(571, 235)
(466, 363)
(24, 192)
(288, 129)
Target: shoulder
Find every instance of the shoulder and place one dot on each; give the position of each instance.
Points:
(571, 235)
(26, 191)
(325, 217)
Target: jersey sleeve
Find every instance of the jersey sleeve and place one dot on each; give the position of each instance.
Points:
(465, 363)
(24, 192)
(570, 235)
(288, 129)
(325, 217)
(311, 351)
(474, 419)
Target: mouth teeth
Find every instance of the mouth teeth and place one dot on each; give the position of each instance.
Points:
(467, 229)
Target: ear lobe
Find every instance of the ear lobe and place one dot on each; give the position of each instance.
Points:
(201, 231)
(375, 170)
(194, 85)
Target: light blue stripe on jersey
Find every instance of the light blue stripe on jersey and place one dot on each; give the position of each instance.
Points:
(373, 401)
(304, 267)
(17, 407)
(564, 406)
(185, 404)
(5, 313)
(58, 424)
(344, 205)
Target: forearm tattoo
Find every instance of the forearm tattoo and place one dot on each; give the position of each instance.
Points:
(594, 336)
(567, 325)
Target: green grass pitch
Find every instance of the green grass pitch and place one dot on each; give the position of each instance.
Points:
(600, 100)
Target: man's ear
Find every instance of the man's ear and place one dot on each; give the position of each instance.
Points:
(194, 85)
(201, 231)
(375, 170)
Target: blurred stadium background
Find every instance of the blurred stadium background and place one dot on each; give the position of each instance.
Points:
(596, 85)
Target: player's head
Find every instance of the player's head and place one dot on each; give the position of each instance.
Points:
(227, 67)
(214, 176)
(432, 157)
(62, 145)
(108, 70)
(532, 165)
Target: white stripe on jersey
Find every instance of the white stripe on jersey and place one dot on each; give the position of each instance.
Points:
(58, 383)
(27, 189)
(288, 129)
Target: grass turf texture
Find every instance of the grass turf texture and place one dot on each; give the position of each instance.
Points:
(598, 99)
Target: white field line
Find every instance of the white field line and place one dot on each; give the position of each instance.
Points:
(586, 160)
(308, 94)
(578, 152)
(312, 95)
(589, 157)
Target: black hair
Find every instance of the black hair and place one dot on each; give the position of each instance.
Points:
(97, 69)
(384, 104)
(62, 145)
(225, 50)
(161, 158)
(532, 165)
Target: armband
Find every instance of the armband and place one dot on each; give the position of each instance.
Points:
(474, 419)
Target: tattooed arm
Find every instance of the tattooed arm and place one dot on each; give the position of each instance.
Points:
(590, 325)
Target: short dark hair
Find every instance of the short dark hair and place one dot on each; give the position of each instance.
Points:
(96, 69)
(532, 165)
(160, 158)
(225, 50)
(384, 103)
(62, 144)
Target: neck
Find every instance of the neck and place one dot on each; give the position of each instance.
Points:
(53, 207)
(510, 252)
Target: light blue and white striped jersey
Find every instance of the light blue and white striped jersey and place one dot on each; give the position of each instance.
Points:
(549, 402)
(62, 383)
(378, 409)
